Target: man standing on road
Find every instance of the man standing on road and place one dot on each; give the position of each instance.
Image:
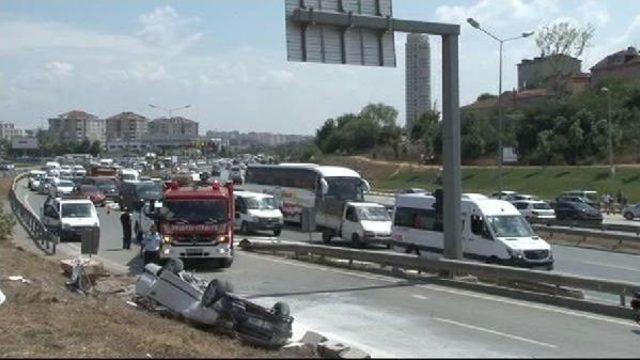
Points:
(125, 219)
(151, 246)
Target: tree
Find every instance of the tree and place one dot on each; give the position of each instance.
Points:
(96, 148)
(486, 96)
(562, 39)
(424, 124)
(380, 113)
(575, 137)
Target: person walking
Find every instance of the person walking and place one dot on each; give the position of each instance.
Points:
(125, 220)
(151, 246)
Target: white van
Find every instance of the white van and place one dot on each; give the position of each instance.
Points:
(257, 211)
(492, 230)
(129, 175)
(79, 171)
(68, 217)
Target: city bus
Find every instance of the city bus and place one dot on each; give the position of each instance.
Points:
(295, 186)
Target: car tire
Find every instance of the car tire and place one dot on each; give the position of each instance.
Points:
(356, 242)
(326, 236)
(212, 293)
(549, 267)
(277, 232)
(244, 228)
(173, 265)
(629, 215)
(281, 309)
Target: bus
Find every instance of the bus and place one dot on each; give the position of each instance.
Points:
(295, 186)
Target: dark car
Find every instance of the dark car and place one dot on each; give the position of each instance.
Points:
(578, 199)
(576, 211)
(92, 193)
(106, 185)
(6, 166)
(133, 194)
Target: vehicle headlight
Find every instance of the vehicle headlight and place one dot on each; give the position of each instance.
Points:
(222, 239)
(167, 239)
(517, 253)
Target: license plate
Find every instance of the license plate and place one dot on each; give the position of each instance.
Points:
(194, 251)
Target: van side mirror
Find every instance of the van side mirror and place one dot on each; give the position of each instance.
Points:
(366, 187)
(324, 186)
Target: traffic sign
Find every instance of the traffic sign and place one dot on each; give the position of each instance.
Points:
(335, 44)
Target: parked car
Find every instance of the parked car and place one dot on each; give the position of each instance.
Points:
(92, 193)
(106, 185)
(523, 197)
(535, 210)
(631, 212)
(576, 211)
(590, 195)
(578, 199)
(69, 217)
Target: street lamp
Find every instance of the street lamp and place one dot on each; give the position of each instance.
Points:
(476, 25)
(612, 169)
(170, 111)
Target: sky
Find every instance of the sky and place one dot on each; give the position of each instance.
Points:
(227, 58)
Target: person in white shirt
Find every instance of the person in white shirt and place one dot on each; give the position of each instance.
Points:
(151, 246)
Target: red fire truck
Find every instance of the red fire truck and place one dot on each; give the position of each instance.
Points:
(196, 222)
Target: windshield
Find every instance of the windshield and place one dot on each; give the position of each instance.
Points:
(105, 186)
(266, 203)
(128, 177)
(148, 190)
(373, 213)
(214, 211)
(88, 188)
(65, 184)
(510, 226)
(76, 210)
(541, 206)
(581, 206)
(345, 188)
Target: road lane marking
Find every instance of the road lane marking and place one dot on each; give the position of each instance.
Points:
(494, 332)
(419, 297)
(443, 289)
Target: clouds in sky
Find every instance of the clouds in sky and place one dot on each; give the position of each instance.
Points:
(169, 58)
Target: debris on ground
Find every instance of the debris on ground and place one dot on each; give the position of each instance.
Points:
(18, 278)
(46, 320)
(2, 297)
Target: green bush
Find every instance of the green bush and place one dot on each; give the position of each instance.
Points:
(7, 221)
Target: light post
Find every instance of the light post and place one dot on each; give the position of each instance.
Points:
(476, 25)
(170, 110)
(612, 169)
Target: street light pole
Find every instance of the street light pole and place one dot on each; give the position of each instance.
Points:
(476, 25)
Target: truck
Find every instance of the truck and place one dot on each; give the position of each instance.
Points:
(196, 222)
(362, 223)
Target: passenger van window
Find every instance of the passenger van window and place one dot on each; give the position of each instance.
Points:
(351, 214)
(477, 225)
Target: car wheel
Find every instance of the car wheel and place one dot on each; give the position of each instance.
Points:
(277, 232)
(326, 236)
(629, 215)
(213, 292)
(173, 265)
(492, 260)
(281, 309)
(244, 228)
(549, 267)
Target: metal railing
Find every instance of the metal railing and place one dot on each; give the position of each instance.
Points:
(440, 265)
(585, 233)
(46, 240)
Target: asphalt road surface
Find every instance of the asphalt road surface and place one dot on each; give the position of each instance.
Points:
(392, 317)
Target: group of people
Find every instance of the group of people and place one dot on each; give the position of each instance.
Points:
(149, 242)
(609, 200)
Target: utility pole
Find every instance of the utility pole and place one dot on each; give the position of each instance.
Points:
(476, 25)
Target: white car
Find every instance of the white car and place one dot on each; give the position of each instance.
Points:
(536, 210)
(79, 171)
(35, 176)
(62, 187)
(69, 217)
(504, 195)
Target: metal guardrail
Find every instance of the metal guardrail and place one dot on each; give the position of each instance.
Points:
(589, 233)
(44, 239)
(409, 262)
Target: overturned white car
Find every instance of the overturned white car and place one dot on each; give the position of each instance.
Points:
(172, 290)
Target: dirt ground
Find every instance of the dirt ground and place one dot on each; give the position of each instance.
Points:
(43, 319)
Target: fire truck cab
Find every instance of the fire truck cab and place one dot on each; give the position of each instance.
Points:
(196, 222)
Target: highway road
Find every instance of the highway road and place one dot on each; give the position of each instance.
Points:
(392, 317)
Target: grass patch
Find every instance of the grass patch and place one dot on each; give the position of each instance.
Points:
(545, 182)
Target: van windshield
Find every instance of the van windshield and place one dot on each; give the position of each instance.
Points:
(372, 213)
(510, 226)
(76, 210)
(266, 203)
